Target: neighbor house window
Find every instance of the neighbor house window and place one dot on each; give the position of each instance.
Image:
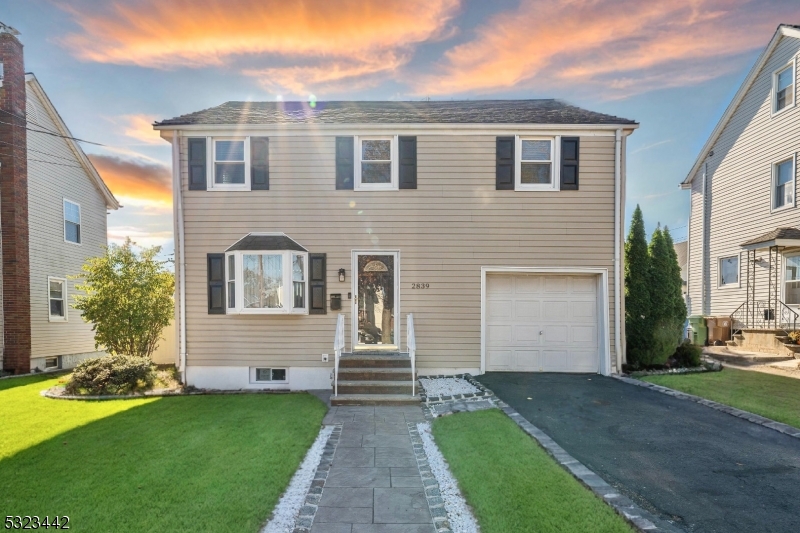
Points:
(72, 222)
(230, 164)
(274, 375)
(784, 88)
(57, 298)
(536, 169)
(376, 163)
(729, 271)
(267, 282)
(791, 288)
(783, 184)
(50, 362)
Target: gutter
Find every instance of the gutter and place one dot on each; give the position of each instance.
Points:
(178, 208)
(617, 246)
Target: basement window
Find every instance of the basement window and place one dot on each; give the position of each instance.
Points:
(51, 362)
(268, 375)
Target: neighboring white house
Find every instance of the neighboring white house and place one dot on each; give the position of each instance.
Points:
(744, 236)
(54, 209)
(496, 224)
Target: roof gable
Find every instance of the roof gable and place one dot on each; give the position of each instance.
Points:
(784, 30)
(266, 242)
(543, 111)
(32, 84)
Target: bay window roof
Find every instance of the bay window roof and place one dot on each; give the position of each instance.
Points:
(266, 242)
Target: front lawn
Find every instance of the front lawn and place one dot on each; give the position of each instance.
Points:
(512, 484)
(775, 397)
(191, 463)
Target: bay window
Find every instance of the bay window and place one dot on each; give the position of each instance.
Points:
(267, 282)
(791, 280)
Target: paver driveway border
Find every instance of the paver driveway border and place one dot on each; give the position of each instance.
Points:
(746, 415)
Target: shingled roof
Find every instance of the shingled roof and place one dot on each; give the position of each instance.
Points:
(371, 112)
(772, 238)
(266, 241)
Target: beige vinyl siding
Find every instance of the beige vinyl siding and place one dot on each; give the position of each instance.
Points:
(740, 182)
(446, 230)
(50, 255)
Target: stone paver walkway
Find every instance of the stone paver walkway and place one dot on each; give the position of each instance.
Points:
(374, 484)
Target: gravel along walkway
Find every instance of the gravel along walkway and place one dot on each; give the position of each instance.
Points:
(446, 386)
(288, 507)
(459, 513)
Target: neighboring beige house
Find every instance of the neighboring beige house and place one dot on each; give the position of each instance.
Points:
(744, 241)
(496, 224)
(54, 207)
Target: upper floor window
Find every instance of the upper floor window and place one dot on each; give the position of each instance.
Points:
(376, 166)
(72, 222)
(57, 298)
(783, 88)
(230, 164)
(783, 184)
(536, 168)
(267, 282)
(729, 271)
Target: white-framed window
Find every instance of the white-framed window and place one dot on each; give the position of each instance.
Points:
(57, 299)
(791, 280)
(269, 375)
(72, 222)
(230, 163)
(51, 363)
(376, 163)
(267, 282)
(536, 164)
(729, 271)
(783, 183)
(783, 88)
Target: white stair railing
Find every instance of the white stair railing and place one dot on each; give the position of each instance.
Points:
(338, 346)
(411, 342)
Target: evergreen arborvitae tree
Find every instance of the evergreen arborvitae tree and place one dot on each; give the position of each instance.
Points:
(663, 314)
(638, 331)
(676, 290)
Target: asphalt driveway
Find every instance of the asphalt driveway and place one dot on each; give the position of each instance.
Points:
(702, 469)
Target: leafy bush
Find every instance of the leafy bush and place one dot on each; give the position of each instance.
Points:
(687, 355)
(795, 336)
(111, 374)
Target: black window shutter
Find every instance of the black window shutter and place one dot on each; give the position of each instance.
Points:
(569, 163)
(345, 166)
(216, 284)
(504, 178)
(259, 163)
(197, 164)
(318, 280)
(408, 162)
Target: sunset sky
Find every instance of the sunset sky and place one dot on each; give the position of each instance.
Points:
(111, 68)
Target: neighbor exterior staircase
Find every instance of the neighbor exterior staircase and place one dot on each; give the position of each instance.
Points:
(765, 341)
(375, 378)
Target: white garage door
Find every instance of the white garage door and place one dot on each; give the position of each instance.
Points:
(541, 323)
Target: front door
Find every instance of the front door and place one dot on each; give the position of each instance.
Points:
(376, 300)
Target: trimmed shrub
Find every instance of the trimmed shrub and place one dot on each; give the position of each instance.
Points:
(111, 374)
(686, 356)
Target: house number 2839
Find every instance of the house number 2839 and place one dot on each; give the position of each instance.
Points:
(420, 285)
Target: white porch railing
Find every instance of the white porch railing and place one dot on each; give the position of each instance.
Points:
(411, 342)
(338, 346)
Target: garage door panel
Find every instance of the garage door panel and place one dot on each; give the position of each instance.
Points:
(527, 309)
(554, 310)
(527, 360)
(562, 307)
(499, 309)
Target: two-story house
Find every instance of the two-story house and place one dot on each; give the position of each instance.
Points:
(53, 207)
(495, 224)
(744, 226)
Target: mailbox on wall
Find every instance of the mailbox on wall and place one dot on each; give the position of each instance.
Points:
(336, 302)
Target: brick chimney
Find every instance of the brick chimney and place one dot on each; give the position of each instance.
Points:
(15, 270)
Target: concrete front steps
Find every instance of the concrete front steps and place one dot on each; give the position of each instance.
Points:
(375, 378)
(766, 341)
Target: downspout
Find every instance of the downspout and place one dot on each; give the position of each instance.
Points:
(178, 201)
(617, 247)
(704, 251)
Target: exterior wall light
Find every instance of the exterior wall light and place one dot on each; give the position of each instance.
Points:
(341, 274)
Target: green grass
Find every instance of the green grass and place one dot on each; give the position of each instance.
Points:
(512, 484)
(192, 463)
(775, 397)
